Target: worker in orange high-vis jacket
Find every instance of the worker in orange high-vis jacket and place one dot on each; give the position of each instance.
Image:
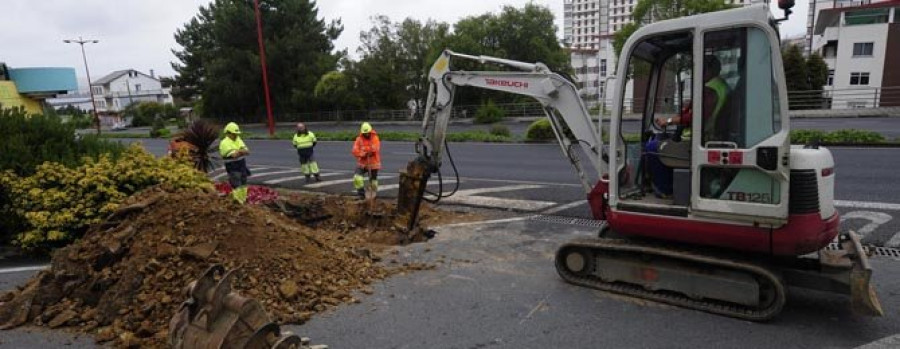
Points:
(367, 151)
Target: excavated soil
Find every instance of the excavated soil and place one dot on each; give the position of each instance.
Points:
(123, 281)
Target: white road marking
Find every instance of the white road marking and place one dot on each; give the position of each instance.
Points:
(867, 204)
(875, 220)
(338, 181)
(564, 207)
(468, 192)
(501, 203)
(266, 174)
(894, 242)
(294, 178)
(22, 269)
(225, 174)
(517, 182)
(495, 221)
(396, 186)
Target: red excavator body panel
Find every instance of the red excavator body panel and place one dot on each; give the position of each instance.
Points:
(804, 233)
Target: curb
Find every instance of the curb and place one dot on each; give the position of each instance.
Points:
(890, 342)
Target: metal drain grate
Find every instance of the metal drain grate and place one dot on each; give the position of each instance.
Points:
(568, 220)
(871, 250)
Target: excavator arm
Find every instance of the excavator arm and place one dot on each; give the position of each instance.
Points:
(569, 119)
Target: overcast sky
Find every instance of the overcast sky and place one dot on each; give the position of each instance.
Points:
(139, 33)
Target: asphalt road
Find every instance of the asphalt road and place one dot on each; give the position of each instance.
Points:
(496, 287)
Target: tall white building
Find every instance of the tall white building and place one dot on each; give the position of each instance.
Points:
(589, 28)
(859, 40)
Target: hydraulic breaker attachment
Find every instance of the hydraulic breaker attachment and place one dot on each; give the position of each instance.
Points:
(214, 316)
(412, 190)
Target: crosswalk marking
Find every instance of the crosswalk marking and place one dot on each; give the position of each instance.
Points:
(225, 174)
(266, 174)
(337, 181)
(565, 207)
(397, 186)
(469, 192)
(294, 178)
(503, 203)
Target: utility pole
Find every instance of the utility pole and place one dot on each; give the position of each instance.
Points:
(262, 60)
(81, 42)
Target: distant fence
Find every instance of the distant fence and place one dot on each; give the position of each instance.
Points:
(852, 98)
(459, 112)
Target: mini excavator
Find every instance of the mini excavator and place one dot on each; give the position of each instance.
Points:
(719, 214)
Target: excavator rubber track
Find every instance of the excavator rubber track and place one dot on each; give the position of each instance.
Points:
(579, 262)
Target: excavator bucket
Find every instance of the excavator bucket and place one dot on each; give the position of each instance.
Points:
(214, 316)
(863, 299)
(412, 189)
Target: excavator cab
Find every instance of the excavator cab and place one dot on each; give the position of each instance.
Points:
(713, 128)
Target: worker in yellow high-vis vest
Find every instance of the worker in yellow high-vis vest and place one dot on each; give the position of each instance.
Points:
(715, 94)
(305, 141)
(234, 153)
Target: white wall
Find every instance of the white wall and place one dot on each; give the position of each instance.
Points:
(845, 64)
(124, 82)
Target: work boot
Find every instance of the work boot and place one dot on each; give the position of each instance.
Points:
(308, 179)
(361, 193)
(318, 178)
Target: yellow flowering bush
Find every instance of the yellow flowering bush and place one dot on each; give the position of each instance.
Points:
(57, 203)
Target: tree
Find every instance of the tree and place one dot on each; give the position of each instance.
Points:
(818, 71)
(795, 72)
(337, 91)
(524, 34)
(220, 62)
(647, 11)
(394, 60)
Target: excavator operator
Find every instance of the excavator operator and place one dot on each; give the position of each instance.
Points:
(715, 95)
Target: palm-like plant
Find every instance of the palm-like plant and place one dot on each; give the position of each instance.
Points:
(201, 135)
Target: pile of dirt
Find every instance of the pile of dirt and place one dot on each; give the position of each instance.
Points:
(124, 279)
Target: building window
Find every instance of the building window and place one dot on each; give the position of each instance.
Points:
(98, 90)
(137, 87)
(863, 49)
(602, 67)
(867, 16)
(830, 80)
(859, 79)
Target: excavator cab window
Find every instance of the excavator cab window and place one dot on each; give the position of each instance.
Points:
(659, 77)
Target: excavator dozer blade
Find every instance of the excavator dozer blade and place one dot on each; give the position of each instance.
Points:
(214, 316)
(863, 299)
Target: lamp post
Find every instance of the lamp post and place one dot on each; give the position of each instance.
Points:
(262, 60)
(81, 42)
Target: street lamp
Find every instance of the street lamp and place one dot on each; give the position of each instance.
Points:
(81, 42)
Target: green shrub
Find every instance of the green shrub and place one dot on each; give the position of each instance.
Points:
(853, 136)
(56, 204)
(806, 136)
(29, 141)
(500, 130)
(477, 136)
(159, 129)
(489, 113)
(540, 130)
(838, 136)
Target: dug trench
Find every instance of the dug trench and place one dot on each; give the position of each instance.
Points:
(298, 256)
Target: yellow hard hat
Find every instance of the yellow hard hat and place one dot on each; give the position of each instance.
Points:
(365, 128)
(232, 128)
